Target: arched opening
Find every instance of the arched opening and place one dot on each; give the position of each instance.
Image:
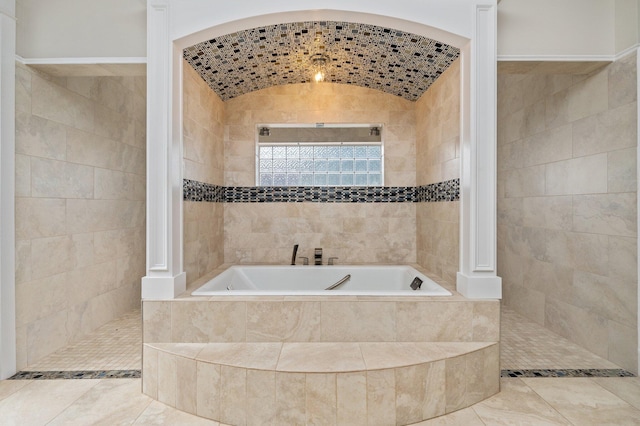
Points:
(476, 274)
(469, 27)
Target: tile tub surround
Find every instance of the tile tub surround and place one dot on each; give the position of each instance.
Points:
(398, 233)
(203, 161)
(177, 332)
(356, 224)
(567, 205)
(438, 159)
(264, 233)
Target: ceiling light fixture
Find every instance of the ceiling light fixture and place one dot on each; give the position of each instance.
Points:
(319, 67)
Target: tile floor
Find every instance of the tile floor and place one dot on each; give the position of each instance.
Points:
(527, 345)
(114, 346)
(522, 401)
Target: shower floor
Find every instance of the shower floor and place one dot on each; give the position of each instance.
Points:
(525, 345)
(114, 346)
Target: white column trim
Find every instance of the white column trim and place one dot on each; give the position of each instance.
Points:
(484, 165)
(7, 193)
(638, 198)
(165, 278)
(478, 265)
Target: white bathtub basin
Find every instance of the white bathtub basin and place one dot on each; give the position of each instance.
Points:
(261, 280)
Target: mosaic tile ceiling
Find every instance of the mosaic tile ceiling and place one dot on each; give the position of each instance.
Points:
(385, 59)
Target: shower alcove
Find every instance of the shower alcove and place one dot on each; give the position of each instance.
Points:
(425, 358)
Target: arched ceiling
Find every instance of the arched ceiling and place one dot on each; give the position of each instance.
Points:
(385, 59)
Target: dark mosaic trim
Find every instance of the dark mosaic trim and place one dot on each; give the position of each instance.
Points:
(449, 190)
(72, 375)
(570, 372)
(200, 191)
(136, 374)
(437, 192)
(329, 194)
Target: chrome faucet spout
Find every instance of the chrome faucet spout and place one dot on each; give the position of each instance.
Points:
(295, 252)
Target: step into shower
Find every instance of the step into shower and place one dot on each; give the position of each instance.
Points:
(337, 360)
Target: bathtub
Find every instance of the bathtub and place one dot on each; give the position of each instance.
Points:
(315, 280)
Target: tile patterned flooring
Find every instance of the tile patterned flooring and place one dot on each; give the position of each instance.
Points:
(114, 346)
(527, 345)
(522, 401)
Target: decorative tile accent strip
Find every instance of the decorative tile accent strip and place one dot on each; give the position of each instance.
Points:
(572, 372)
(448, 190)
(329, 194)
(437, 192)
(72, 375)
(200, 191)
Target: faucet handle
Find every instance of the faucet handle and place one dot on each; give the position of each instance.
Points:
(331, 259)
(317, 256)
(305, 260)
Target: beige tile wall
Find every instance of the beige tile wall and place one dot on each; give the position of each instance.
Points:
(319, 103)
(438, 157)
(80, 206)
(353, 232)
(567, 205)
(356, 233)
(203, 161)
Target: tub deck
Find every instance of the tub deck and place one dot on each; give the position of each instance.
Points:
(343, 359)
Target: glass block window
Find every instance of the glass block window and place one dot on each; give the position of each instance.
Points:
(320, 164)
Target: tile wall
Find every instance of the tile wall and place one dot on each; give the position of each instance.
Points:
(80, 206)
(356, 233)
(438, 156)
(203, 161)
(567, 205)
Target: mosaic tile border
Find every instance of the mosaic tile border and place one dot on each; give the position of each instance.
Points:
(75, 375)
(436, 192)
(200, 191)
(568, 372)
(330, 194)
(448, 190)
(136, 374)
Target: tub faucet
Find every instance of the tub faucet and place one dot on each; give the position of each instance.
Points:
(295, 252)
(317, 256)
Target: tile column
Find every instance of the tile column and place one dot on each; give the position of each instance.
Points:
(7, 188)
(478, 267)
(165, 277)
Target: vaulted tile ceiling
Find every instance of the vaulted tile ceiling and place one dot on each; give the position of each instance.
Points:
(385, 59)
